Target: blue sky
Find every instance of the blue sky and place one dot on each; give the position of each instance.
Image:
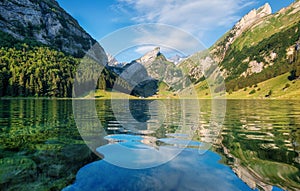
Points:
(206, 20)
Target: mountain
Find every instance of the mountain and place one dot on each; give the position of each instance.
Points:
(176, 59)
(148, 58)
(259, 47)
(41, 48)
(45, 22)
(218, 51)
(161, 69)
(148, 75)
(112, 61)
(254, 16)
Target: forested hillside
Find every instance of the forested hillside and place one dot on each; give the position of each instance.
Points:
(278, 43)
(41, 71)
(259, 47)
(40, 53)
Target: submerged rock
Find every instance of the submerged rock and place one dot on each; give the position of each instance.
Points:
(16, 170)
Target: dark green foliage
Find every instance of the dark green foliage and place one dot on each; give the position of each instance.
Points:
(252, 91)
(279, 42)
(36, 71)
(292, 75)
(41, 71)
(270, 92)
(286, 86)
(30, 68)
(7, 40)
(295, 72)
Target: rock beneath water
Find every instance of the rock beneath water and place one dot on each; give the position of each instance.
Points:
(16, 170)
(56, 170)
(76, 153)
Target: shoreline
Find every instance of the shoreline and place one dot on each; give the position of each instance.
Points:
(150, 98)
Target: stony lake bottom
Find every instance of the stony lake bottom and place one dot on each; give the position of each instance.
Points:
(149, 144)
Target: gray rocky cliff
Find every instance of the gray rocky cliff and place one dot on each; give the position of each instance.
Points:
(46, 22)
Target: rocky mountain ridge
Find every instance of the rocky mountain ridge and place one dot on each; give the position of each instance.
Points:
(257, 48)
(46, 22)
(244, 23)
(148, 58)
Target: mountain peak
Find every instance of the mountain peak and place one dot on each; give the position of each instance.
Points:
(149, 57)
(176, 59)
(252, 17)
(242, 25)
(265, 9)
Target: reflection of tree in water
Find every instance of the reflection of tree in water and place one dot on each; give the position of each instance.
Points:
(40, 145)
(139, 110)
(258, 137)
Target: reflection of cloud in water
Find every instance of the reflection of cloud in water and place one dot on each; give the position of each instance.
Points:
(188, 171)
(130, 151)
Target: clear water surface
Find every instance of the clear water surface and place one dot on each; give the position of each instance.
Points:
(149, 145)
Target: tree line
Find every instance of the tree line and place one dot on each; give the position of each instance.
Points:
(37, 71)
(42, 71)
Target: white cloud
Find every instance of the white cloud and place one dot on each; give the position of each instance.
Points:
(199, 17)
(144, 49)
(141, 50)
(169, 37)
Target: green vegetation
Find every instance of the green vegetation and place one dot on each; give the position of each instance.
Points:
(41, 71)
(268, 41)
(41, 148)
(269, 26)
(262, 146)
(270, 93)
(8, 41)
(278, 43)
(279, 87)
(36, 71)
(252, 91)
(274, 34)
(287, 85)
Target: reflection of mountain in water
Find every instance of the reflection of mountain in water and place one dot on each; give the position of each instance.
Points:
(139, 110)
(260, 142)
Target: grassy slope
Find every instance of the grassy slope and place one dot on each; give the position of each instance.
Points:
(163, 93)
(102, 94)
(277, 85)
(251, 37)
(267, 27)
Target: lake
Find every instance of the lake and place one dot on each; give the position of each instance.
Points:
(149, 144)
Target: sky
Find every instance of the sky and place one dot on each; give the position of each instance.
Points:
(173, 23)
